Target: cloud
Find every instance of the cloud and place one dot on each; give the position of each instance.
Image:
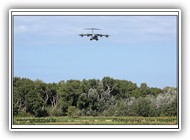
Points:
(21, 29)
(46, 25)
(122, 29)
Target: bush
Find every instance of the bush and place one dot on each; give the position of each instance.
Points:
(41, 113)
(55, 112)
(23, 114)
(91, 112)
(121, 108)
(72, 111)
(110, 111)
(143, 107)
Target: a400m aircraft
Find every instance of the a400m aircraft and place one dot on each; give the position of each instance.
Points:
(93, 36)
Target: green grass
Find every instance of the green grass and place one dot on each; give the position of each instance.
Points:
(100, 120)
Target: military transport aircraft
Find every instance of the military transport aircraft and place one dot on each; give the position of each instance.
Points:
(93, 36)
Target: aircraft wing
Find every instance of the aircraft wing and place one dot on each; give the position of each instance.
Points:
(106, 35)
(85, 35)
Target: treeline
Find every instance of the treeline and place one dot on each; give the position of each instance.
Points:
(106, 97)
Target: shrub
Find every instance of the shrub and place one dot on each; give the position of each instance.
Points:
(23, 114)
(55, 112)
(41, 113)
(143, 107)
(72, 111)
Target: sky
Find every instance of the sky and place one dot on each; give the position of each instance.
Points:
(139, 48)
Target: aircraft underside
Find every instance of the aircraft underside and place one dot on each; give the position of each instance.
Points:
(92, 35)
(94, 38)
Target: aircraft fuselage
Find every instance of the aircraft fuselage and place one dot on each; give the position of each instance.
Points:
(94, 37)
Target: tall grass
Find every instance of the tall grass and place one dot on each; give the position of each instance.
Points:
(96, 120)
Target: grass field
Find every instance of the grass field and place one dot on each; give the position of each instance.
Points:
(95, 121)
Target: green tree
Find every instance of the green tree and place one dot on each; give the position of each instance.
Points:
(110, 85)
(82, 102)
(68, 94)
(109, 97)
(85, 86)
(21, 88)
(143, 107)
(144, 89)
(35, 104)
(93, 102)
(167, 102)
(126, 88)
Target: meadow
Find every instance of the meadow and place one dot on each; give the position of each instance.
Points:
(89, 120)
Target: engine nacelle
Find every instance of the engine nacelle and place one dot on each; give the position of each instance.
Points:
(81, 35)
